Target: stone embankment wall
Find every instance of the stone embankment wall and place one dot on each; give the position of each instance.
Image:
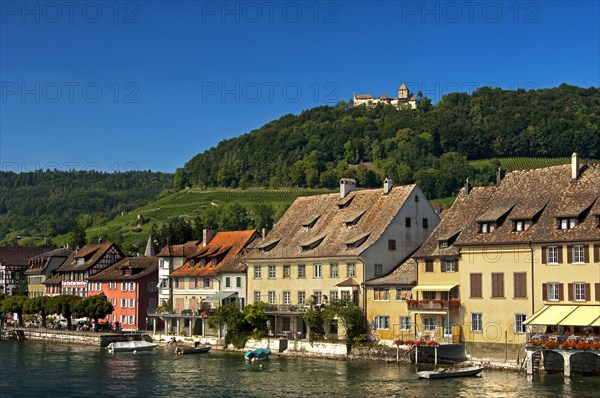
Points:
(70, 336)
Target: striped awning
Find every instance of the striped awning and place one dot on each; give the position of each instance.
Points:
(566, 315)
(433, 288)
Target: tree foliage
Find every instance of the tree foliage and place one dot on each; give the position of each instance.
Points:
(94, 307)
(14, 305)
(38, 306)
(351, 317)
(63, 305)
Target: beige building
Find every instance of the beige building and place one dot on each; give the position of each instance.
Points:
(325, 246)
(404, 99)
(528, 244)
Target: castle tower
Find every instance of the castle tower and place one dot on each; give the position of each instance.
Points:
(403, 92)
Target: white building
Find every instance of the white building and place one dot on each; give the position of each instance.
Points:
(404, 99)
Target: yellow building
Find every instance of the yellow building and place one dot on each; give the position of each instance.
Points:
(325, 246)
(509, 250)
(387, 299)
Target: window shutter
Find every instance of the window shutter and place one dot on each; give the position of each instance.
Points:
(586, 253)
(545, 291)
(456, 265)
(598, 292)
(588, 292)
(560, 254)
(570, 254)
(561, 292)
(570, 287)
(544, 255)
(597, 253)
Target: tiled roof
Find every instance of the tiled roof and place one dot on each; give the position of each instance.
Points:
(294, 240)
(140, 267)
(539, 195)
(20, 255)
(91, 253)
(403, 274)
(350, 282)
(225, 247)
(183, 250)
(55, 280)
(53, 258)
(363, 96)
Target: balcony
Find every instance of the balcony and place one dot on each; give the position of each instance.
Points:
(428, 305)
(583, 342)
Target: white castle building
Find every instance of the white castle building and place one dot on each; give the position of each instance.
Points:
(403, 99)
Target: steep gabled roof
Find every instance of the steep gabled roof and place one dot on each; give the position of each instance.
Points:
(332, 234)
(90, 254)
(139, 267)
(225, 247)
(52, 259)
(403, 274)
(184, 250)
(20, 255)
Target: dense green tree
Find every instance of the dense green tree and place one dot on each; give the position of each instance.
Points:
(14, 305)
(255, 317)
(351, 317)
(78, 238)
(94, 307)
(63, 305)
(234, 217)
(38, 306)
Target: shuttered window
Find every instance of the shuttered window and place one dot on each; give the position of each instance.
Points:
(476, 285)
(497, 284)
(520, 284)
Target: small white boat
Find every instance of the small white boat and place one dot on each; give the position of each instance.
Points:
(445, 373)
(130, 346)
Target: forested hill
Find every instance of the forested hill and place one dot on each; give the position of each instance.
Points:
(428, 145)
(47, 203)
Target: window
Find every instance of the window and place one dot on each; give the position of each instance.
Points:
(123, 303)
(381, 322)
(132, 286)
(579, 289)
(553, 291)
(131, 320)
(317, 270)
(351, 270)
(552, 254)
(449, 265)
(578, 254)
(567, 223)
(407, 222)
(123, 319)
(287, 298)
(378, 269)
(381, 294)
(301, 271)
(176, 283)
(192, 263)
(196, 283)
(428, 295)
(214, 262)
(257, 272)
(333, 270)
(519, 327)
(429, 324)
(447, 324)
(301, 297)
(98, 286)
(286, 271)
(207, 283)
(476, 285)
(391, 244)
(227, 281)
(346, 295)
(256, 296)
(151, 305)
(497, 284)
(404, 323)
(152, 286)
(425, 223)
(521, 225)
(402, 294)
(131, 303)
(428, 265)
(317, 295)
(520, 284)
(476, 322)
(333, 295)
(238, 281)
(123, 286)
(272, 272)
(486, 227)
(271, 296)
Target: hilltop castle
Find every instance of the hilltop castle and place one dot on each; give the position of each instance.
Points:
(402, 99)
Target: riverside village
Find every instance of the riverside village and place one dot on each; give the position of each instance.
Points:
(508, 276)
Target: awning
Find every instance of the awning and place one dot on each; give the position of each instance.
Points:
(220, 296)
(429, 312)
(433, 288)
(550, 315)
(584, 315)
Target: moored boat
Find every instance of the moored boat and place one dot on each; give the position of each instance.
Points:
(445, 373)
(120, 346)
(260, 354)
(192, 350)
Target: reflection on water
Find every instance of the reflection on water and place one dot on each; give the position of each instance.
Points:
(38, 369)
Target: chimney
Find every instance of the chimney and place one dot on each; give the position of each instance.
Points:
(467, 189)
(574, 166)
(264, 233)
(388, 183)
(499, 176)
(347, 185)
(207, 235)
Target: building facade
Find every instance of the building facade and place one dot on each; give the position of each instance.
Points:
(404, 99)
(13, 264)
(43, 267)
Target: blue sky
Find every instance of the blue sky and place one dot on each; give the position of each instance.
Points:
(116, 86)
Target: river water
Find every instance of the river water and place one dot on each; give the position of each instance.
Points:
(43, 369)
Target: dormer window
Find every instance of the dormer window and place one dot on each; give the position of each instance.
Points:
(354, 219)
(80, 260)
(312, 244)
(311, 222)
(567, 222)
(192, 263)
(213, 262)
(486, 227)
(442, 244)
(521, 225)
(202, 263)
(357, 241)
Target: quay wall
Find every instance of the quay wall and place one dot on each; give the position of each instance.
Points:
(71, 336)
